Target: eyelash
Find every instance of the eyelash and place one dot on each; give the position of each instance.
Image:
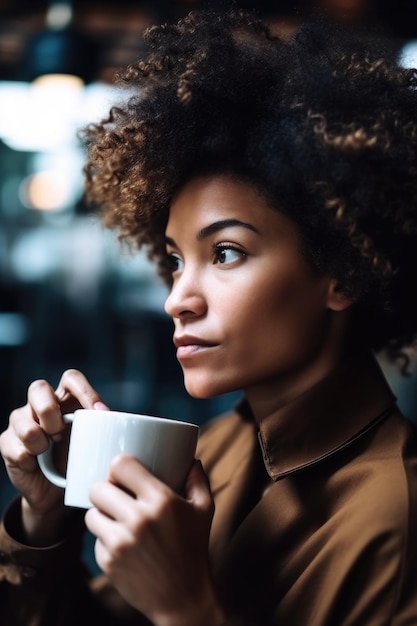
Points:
(173, 259)
(221, 247)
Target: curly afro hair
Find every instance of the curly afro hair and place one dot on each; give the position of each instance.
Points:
(324, 124)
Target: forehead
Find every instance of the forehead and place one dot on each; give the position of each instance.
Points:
(204, 199)
(206, 206)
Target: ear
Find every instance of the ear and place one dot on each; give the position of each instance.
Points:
(337, 299)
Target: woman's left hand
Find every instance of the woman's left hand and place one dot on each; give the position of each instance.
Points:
(153, 543)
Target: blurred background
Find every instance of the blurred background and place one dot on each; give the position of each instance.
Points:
(69, 296)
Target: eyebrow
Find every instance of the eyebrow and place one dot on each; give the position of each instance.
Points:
(216, 226)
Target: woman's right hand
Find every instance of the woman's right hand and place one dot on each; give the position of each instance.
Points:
(27, 435)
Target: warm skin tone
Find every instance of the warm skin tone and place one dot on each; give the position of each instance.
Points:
(243, 286)
(249, 314)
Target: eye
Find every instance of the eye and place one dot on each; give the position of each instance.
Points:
(174, 261)
(225, 254)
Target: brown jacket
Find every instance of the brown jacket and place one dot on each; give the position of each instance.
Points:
(315, 522)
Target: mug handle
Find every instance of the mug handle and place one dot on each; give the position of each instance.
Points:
(46, 464)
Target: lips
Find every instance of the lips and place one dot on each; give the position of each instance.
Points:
(188, 345)
(189, 340)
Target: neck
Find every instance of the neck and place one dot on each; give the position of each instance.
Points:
(269, 395)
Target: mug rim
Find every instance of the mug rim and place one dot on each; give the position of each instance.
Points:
(130, 414)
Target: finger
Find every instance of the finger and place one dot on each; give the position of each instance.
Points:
(103, 551)
(100, 525)
(110, 499)
(44, 407)
(101, 555)
(26, 429)
(132, 475)
(197, 488)
(15, 453)
(74, 390)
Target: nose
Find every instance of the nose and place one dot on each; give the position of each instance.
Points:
(185, 299)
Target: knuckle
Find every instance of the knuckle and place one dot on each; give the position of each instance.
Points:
(116, 553)
(14, 415)
(143, 527)
(120, 550)
(30, 433)
(38, 385)
(73, 381)
(22, 455)
(70, 373)
(160, 509)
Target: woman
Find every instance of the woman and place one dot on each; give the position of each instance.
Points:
(274, 184)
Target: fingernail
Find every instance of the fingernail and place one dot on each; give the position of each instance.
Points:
(57, 437)
(100, 406)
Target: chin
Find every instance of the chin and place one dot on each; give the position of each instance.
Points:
(205, 389)
(200, 393)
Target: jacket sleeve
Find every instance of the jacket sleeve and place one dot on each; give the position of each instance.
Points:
(52, 586)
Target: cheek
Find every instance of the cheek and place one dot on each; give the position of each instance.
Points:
(274, 298)
(283, 314)
(292, 291)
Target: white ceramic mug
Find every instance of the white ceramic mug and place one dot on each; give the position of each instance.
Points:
(165, 446)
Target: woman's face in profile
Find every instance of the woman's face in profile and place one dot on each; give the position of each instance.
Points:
(247, 308)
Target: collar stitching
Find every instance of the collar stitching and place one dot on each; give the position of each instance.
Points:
(295, 470)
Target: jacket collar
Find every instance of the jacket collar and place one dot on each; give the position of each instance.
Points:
(326, 418)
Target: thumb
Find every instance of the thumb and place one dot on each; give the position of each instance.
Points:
(197, 488)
